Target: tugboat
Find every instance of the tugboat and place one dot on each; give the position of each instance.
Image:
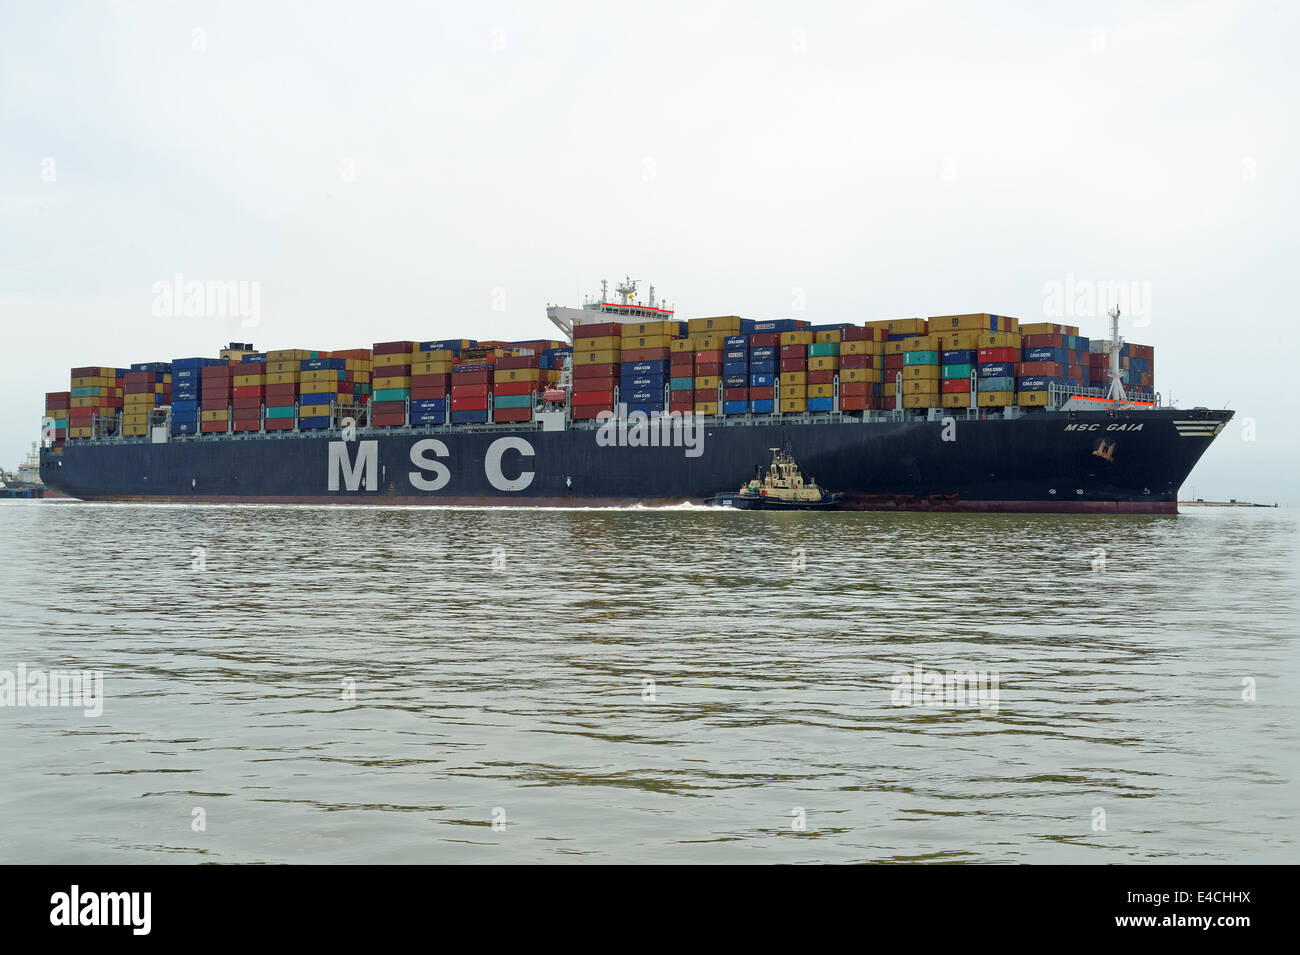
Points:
(781, 488)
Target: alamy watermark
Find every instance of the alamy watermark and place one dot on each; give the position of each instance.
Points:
(211, 299)
(1084, 298)
(673, 429)
(953, 690)
(53, 688)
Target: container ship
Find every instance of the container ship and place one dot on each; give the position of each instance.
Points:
(974, 412)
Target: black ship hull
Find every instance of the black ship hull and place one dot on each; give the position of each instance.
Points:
(1107, 461)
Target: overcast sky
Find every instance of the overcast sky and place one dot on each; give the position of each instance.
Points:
(389, 171)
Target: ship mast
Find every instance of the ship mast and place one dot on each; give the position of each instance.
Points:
(1117, 393)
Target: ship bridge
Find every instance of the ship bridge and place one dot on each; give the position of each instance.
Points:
(626, 310)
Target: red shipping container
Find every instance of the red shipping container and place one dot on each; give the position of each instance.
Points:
(249, 391)
(681, 407)
(383, 420)
(472, 377)
(512, 414)
(708, 368)
(604, 398)
(735, 394)
(246, 424)
(469, 402)
(709, 355)
(857, 388)
(389, 407)
(138, 388)
(601, 330)
(213, 402)
(396, 371)
(459, 390)
(998, 354)
(822, 376)
(594, 384)
(431, 381)
(685, 362)
(1033, 369)
(794, 351)
(645, 354)
(289, 390)
(251, 368)
(760, 394)
(954, 386)
(606, 370)
(894, 362)
(392, 348)
(858, 361)
(517, 361)
(515, 387)
(587, 412)
(863, 334)
(1047, 340)
(248, 402)
(794, 364)
(214, 427)
(426, 394)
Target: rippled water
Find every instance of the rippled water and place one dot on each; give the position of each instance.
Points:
(500, 657)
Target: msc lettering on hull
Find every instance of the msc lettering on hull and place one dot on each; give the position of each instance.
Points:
(1110, 427)
(348, 472)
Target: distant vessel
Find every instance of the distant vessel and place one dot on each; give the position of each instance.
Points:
(26, 481)
(782, 487)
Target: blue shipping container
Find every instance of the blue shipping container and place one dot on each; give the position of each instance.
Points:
(646, 368)
(762, 381)
(735, 407)
(820, 404)
(997, 369)
(468, 417)
(960, 356)
(998, 384)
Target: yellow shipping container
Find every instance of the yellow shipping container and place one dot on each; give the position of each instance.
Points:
(1035, 399)
(706, 382)
(390, 361)
(948, 341)
(418, 368)
(709, 342)
(862, 348)
(680, 345)
(924, 400)
(887, 388)
(318, 375)
(290, 354)
(706, 407)
(314, 411)
(603, 343)
(283, 378)
(795, 405)
(517, 374)
(278, 367)
(723, 325)
(829, 335)
(799, 391)
(961, 400)
(821, 391)
(221, 415)
(95, 382)
(86, 402)
(796, 338)
(998, 340)
(245, 381)
(1043, 328)
(609, 356)
(978, 322)
(995, 399)
(794, 377)
(397, 381)
(134, 419)
(920, 343)
(860, 374)
(824, 363)
(59, 413)
(647, 341)
(323, 388)
(903, 326)
(668, 329)
(363, 377)
(930, 372)
(135, 430)
(920, 386)
(80, 432)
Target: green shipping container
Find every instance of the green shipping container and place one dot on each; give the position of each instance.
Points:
(957, 371)
(512, 401)
(823, 349)
(290, 412)
(392, 394)
(920, 358)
